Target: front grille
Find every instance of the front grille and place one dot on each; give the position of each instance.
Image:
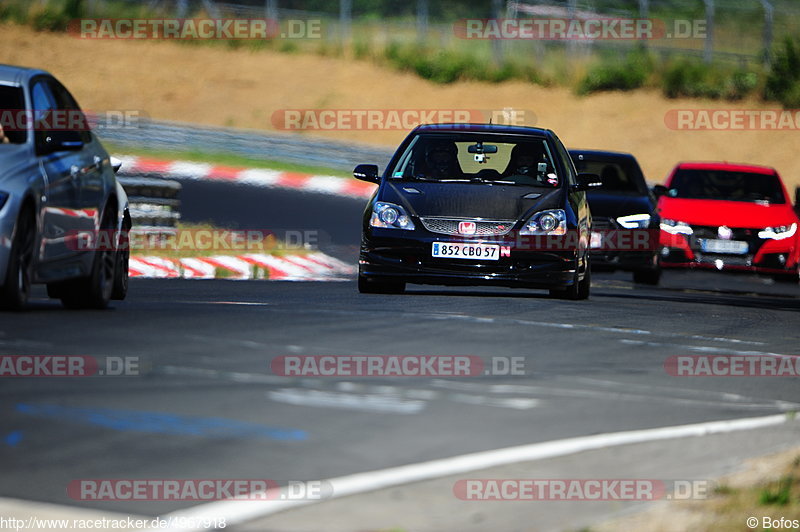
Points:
(449, 226)
(727, 260)
(712, 233)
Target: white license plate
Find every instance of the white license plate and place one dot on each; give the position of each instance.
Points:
(733, 247)
(452, 250)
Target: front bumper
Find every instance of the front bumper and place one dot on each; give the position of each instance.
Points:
(408, 258)
(624, 260)
(764, 256)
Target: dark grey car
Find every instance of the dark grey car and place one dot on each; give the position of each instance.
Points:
(58, 191)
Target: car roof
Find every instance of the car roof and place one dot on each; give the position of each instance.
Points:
(602, 154)
(19, 75)
(732, 167)
(482, 128)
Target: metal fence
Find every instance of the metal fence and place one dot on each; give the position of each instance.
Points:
(165, 135)
(734, 30)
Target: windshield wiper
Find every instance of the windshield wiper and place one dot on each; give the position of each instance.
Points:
(491, 181)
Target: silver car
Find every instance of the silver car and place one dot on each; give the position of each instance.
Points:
(58, 196)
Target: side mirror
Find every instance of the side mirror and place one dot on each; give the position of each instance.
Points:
(116, 164)
(367, 172)
(588, 182)
(55, 141)
(660, 190)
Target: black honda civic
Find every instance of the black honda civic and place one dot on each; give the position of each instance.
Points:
(469, 204)
(625, 220)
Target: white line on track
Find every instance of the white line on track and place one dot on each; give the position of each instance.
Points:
(706, 349)
(237, 512)
(347, 401)
(532, 323)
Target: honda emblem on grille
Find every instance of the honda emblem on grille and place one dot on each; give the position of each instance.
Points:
(724, 233)
(467, 228)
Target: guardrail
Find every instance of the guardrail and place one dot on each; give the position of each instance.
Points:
(155, 134)
(153, 203)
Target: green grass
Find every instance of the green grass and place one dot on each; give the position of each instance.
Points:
(613, 73)
(777, 494)
(783, 82)
(444, 58)
(224, 159)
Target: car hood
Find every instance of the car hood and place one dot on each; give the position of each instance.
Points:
(730, 213)
(470, 200)
(613, 205)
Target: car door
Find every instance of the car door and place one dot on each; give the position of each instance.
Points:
(577, 200)
(90, 160)
(60, 170)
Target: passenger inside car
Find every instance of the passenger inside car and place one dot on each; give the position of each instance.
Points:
(523, 166)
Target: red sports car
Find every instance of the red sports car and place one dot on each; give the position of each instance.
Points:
(729, 217)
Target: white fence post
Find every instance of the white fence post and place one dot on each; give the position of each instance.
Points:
(708, 53)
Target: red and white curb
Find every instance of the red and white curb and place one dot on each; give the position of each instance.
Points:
(315, 266)
(132, 165)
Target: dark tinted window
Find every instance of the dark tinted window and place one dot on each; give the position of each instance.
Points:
(567, 161)
(12, 107)
(65, 101)
(477, 158)
(617, 176)
(726, 185)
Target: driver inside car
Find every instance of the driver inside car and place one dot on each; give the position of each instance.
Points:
(441, 160)
(523, 166)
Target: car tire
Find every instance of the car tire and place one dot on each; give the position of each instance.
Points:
(123, 256)
(372, 286)
(94, 291)
(16, 288)
(579, 290)
(651, 277)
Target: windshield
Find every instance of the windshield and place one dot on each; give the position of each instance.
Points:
(617, 176)
(726, 185)
(11, 103)
(476, 158)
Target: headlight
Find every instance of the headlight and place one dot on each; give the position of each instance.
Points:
(778, 233)
(3, 198)
(553, 222)
(390, 216)
(675, 227)
(634, 221)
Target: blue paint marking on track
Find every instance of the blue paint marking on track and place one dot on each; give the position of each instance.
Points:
(160, 423)
(13, 439)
